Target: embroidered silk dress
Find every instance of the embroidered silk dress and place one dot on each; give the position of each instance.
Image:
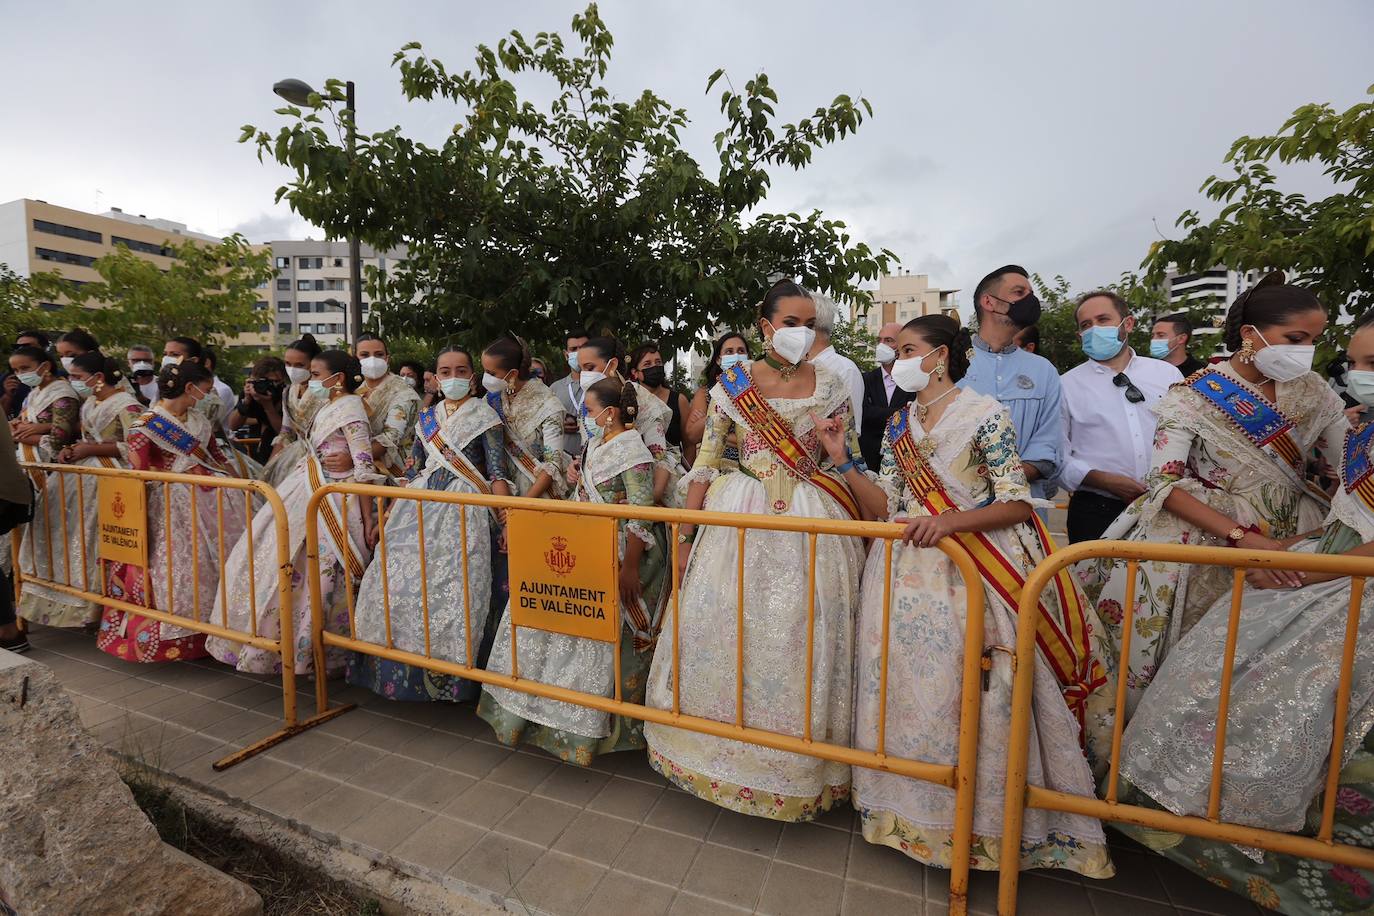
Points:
(298, 412)
(533, 421)
(391, 410)
(746, 777)
(70, 508)
(340, 427)
(619, 470)
(460, 452)
(652, 421)
(971, 451)
(54, 403)
(191, 547)
(1205, 452)
(1279, 729)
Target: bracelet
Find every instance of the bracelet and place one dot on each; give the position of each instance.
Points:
(845, 468)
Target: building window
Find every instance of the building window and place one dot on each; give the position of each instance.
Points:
(331, 305)
(319, 284)
(338, 262)
(283, 284)
(283, 327)
(283, 263)
(260, 305)
(283, 305)
(304, 284)
(63, 257)
(310, 263)
(305, 306)
(142, 247)
(71, 232)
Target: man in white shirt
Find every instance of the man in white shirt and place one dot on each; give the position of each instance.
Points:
(568, 389)
(1109, 427)
(823, 354)
(143, 371)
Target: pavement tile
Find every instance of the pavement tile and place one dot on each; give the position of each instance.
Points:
(559, 884)
(619, 893)
(348, 761)
(728, 875)
(523, 772)
(867, 900)
(292, 795)
(814, 847)
(254, 775)
(339, 807)
(388, 775)
(686, 904)
(476, 758)
(626, 798)
(306, 749)
(241, 723)
(792, 891)
(537, 820)
(435, 789)
(658, 855)
(433, 746)
(741, 831)
(597, 837)
(683, 813)
(438, 843)
(573, 785)
(484, 804)
(496, 862)
(388, 733)
(385, 826)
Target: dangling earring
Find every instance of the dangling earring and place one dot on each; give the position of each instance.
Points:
(1246, 354)
(98, 386)
(939, 371)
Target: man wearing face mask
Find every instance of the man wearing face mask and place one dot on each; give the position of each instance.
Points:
(882, 396)
(1108, 417)
(823, 354)
(1024, 383)
(143, 371)
(1169, 339)
(569, 391)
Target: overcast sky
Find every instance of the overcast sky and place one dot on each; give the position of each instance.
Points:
(1050, 133)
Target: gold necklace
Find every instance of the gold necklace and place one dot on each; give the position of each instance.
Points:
(786, 370)
(923, 410)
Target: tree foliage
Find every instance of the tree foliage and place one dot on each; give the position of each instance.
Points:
(585, 211)
(19, 304)
(1326, 243)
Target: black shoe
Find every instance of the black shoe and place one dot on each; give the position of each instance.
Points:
(19, 644)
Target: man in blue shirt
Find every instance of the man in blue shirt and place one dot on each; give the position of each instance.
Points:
(1024, 383)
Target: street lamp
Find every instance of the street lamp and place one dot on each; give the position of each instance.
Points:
(298, 92)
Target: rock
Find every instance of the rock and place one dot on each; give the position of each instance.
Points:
(73, 840)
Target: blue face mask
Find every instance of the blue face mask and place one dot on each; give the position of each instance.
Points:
(730, 360)
(317, 388)
(1101, 342)
(1159, 348)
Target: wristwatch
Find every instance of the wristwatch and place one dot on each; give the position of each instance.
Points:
(1235, 534)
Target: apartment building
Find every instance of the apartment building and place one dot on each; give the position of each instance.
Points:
(905, 296)
(310, 293)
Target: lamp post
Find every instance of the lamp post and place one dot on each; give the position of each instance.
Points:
(298, 92)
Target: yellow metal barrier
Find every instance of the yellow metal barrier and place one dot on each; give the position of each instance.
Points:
(1021, 796)
(959, 776)
(281, 646)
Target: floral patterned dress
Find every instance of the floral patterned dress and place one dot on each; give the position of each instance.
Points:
(652, 421)
(391, 409)
(736, 775)
(619, 470)
(191, 548)
(972, 449)
(1202, 452)
(533, 421)
(1278, 738)
(467, 447)
(55, 403)
(72, 507)
(340, 428)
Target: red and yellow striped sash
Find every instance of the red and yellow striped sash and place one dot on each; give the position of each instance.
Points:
(338, 531)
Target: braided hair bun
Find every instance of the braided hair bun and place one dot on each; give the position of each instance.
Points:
(1267, 303)
(943, 331)
(612, 392)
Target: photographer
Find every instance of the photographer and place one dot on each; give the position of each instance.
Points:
(260, 407)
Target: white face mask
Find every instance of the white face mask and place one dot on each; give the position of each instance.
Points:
(885, 354)
(67, 363)
(374, 367)
(171, 361)
(143, 366)
(792, 344)
(297, 374)
(909, 375)
(149, 390)
(591, 378)
(492, 383)
(1284, 362)
(1360, 386)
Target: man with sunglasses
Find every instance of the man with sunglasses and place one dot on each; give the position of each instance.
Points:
(1108, 422)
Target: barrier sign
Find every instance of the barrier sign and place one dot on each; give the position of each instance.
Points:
(563, 574)
(123, 521)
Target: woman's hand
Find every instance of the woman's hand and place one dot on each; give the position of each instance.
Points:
(629, 584)
(831, 433)
(1277, 578)
(340, 463)
(574, 472)
(926, 530)
(684, 553)
(370, 532)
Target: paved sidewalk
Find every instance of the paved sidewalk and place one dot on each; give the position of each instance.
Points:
(425, 787)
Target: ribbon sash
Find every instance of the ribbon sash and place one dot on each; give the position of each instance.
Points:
(1262, 423)
(1357, 470)
(335, 529)
(775, 432)
(1063, 643)
(453, 459)
(514, 447)
(182, 440)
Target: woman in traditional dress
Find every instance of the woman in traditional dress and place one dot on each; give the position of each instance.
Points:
(107, 412)
(180, 350)
(346, 525)
(1288, 647)
(299, 409)
(1229, 468)
(531, 417)
(459, 449)
(78, 342)
(392, 404)
(174, 437)
(950, 469)
(772, 406)
(604, 357)
(729, 350)
(616, 468)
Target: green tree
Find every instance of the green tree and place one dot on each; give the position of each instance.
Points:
(19, 303)
(854, 340)
(584, 211)
(209, 293)
(1325, 243)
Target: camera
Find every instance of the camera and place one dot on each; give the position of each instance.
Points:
(266, 387)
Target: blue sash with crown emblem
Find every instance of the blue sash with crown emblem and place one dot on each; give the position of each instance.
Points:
(180, 439)
(1262, 423)
(1357, 470)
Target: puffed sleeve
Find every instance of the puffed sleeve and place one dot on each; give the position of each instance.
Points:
(639, 491)
(707, 466)
(1333, 425)
(550, 450)
(995, 442)
(66, 422)
(494, 456)
(359, 438)
(398, 426)
(124, 424)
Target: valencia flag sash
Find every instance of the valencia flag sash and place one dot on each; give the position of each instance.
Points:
(774, 431)
(1255, 418)
(1064, 642)
(1357, 470)
(433, 431)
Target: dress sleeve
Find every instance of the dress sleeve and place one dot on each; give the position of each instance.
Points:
(66, 421)
(494, 454)
(551, 454)
(845, 413)
(639, 491)
(287, 434)
(142, 454)
(359, 438)
(1334, 424)
(890, 479)
(123, 426)
(707, 466)
(995, 442)
(217, 453)
(399, 424)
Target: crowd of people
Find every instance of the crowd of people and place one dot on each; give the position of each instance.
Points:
(956, 434)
